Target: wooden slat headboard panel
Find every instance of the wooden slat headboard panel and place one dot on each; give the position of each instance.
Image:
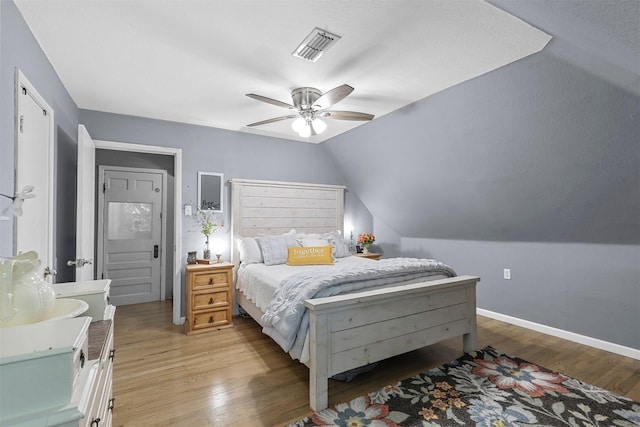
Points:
(273, 207)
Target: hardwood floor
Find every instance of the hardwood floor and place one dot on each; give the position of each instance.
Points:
(239, 377)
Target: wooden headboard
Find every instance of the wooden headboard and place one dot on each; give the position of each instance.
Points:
(273, 207)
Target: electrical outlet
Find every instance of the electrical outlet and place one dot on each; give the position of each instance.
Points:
(507, 274)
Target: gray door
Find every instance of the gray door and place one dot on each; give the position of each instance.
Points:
(130, 233)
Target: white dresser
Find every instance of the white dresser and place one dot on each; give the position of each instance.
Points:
(59, 373)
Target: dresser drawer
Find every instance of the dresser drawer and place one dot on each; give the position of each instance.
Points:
(40, 365)
(211, 319)
(206, 280)
(209, 300)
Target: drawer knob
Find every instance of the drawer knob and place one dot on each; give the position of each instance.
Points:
(95, 422)
(112, 354)
(211, 280)
(211, 300)
(112, 402)
(82, 357)
(210, 319)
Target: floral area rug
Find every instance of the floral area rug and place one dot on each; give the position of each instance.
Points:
(484, 388)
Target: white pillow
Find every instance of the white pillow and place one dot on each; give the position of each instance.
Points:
(250, 252)
(340, 246)
(275, 248)
(310, 240)
(333, 238)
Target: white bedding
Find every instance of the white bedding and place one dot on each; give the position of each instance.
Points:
(260, 283)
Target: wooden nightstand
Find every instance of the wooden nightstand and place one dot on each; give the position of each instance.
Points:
(208, 302)
(370, 255)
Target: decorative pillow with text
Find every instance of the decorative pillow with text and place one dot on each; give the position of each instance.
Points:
(309, 255)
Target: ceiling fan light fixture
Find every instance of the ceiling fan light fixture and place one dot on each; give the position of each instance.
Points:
(305, 132)
(311, 105)
(318, 126)
(299, 124)
(308, 127)
(315, 44)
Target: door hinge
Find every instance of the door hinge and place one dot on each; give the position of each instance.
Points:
(103, 275)
(104, 187)
(21, 124)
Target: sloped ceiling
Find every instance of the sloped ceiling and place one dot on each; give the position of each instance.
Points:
(193, 61)
(546, 149)
(608, 30)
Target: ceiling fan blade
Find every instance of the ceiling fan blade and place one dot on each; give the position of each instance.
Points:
(276, 119)
(346, 115)
(334, 96)
(270, 101)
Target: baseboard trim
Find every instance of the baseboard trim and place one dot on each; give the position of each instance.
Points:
(560, 333)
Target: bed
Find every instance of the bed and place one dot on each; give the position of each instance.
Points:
(345, 331)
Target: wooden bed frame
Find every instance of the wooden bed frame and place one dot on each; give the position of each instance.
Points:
(349, 331)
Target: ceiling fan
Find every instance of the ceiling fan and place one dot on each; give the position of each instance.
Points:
(310, 105)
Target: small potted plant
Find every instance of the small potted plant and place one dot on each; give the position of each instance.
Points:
(207, 226)
(365, 240)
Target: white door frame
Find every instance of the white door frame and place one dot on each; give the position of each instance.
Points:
(23, 82)
(85, 206)
(102, 169)
(178, 319)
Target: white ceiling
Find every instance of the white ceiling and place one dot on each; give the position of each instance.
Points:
(193, 61)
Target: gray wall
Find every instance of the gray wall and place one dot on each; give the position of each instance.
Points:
(236, 155)
(19, 49)
(587, 289)
(533, 167)
(148, 161)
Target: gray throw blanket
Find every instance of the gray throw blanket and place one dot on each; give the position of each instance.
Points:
(286, 319)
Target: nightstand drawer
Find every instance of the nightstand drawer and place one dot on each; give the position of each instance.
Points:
(209, 279)
(211, 319)
(208, 300)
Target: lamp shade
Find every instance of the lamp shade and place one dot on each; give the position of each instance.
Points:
(305, 132)
(299, 124)
(218, 246)
(318, 126)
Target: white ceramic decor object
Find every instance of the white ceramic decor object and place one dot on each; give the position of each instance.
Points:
(25, 297)
(93, 292)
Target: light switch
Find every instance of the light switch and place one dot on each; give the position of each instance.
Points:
(187, 210)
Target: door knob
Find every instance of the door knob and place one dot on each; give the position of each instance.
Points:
(79, 262)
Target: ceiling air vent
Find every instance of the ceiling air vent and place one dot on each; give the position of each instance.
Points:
(316, 43)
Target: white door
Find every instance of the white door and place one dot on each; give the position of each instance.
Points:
(130, 233)
(85, 207)
(34, 166)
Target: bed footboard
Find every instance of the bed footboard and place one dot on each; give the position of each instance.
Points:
(348, 331)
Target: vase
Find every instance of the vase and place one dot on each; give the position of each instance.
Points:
(206, 253)
(365, 249)
(25, 297)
